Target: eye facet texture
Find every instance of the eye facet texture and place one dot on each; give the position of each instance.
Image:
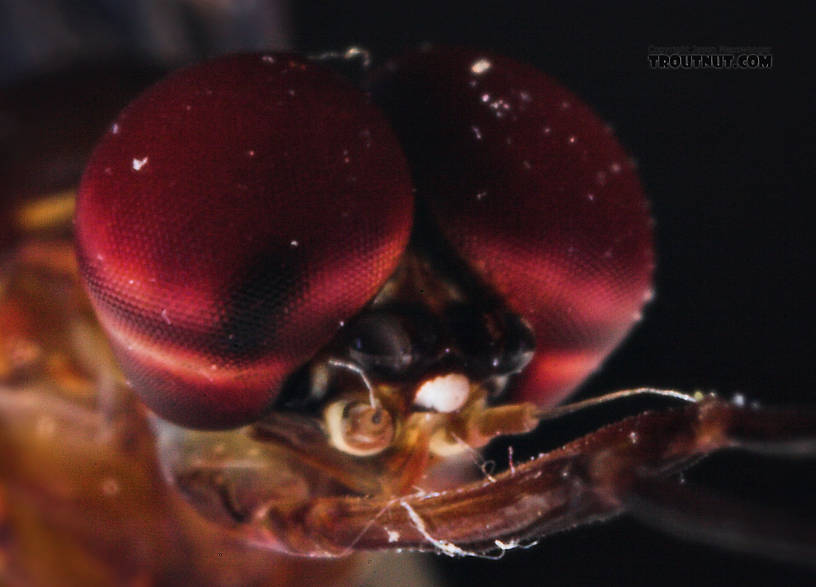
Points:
(232, 217)
(532, 190)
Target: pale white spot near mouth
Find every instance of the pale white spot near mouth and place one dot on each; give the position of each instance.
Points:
(480, 66)
(139, 163)
(444, 393)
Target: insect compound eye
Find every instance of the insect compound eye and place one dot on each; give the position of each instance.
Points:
(531, 189)
(231, 219)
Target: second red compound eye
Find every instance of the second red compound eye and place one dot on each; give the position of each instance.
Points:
(530, 188)
(227, 224)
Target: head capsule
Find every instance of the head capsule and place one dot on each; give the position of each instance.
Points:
(242, 211)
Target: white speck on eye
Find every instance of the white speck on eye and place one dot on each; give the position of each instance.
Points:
(294, 244)
(480, 66)
(131, 281)
(648, 295)
(738, 400)
(571, 140)
(476, 132)
(485, 98)
(166, 317)
(291, 92)
(525, 96)
(393, 535)
(481, 195)
(565, 104)
(500, 107)
(268, 59)
(633, 437)
(250, 153)
(115, 129)
(591, 197)
(139, 163)
(546, 130)
(615, 167)
(342, 323)
(188, 107)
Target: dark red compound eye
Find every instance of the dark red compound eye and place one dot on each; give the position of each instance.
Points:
(530, 187)
(228, 223)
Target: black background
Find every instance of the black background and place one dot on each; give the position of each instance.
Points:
(718, 152)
